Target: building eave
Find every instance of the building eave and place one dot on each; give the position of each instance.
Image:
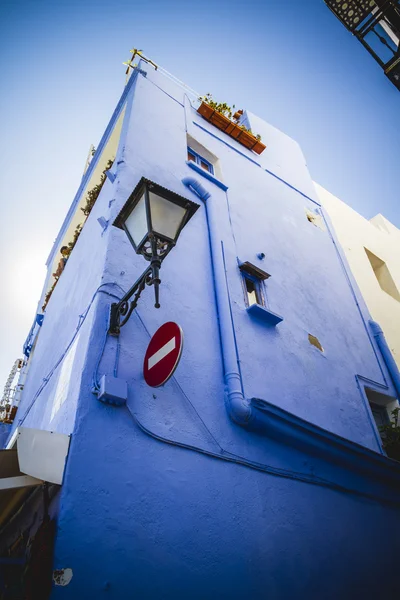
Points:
(89, 172)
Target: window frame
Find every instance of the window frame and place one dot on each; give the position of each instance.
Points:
(258, 286)
(381, 410)
(199, 159)
(257, 276)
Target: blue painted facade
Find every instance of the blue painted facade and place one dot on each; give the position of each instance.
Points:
(5, 429)
(169, 497)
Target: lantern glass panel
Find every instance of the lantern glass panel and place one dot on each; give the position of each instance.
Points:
(166, 216)
(136, 223)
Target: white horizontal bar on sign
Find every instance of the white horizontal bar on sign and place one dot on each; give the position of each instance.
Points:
(161, 353)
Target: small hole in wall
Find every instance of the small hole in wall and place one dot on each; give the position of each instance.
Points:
(314, 341)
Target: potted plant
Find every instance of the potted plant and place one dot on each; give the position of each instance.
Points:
(220, 115)
(91, 198)
(247, 138)
(206, 109)
(251, 141)
(391, 436)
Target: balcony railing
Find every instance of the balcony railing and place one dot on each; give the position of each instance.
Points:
(376, 24)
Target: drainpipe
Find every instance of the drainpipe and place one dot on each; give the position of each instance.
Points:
(238, 407)
(387, 355)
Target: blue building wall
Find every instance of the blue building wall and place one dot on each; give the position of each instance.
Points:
(168, 497)
(5, 429)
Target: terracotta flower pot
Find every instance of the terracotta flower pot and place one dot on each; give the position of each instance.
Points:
(236, 131)
(215, 117)
(225, 124)
(220, 120)
(237, 114)
(247, 139)
(259, 147)
(230, 128)
(205, 110)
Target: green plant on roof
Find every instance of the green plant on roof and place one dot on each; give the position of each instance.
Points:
(93, 193)
(91, 198)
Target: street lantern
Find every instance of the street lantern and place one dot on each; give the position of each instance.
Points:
(153, 218)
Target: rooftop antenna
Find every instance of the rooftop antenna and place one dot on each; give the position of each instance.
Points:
(130, 65)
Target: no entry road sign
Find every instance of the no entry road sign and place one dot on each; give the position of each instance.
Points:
(163, 354)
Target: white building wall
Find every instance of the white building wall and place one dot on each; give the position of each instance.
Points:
(381, 238)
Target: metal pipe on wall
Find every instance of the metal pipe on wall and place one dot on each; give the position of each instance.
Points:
(239, 408)
(387, 355)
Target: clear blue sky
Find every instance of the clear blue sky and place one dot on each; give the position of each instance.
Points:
(291, 62)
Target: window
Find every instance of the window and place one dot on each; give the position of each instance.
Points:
(380, 415)
(191, 155)
(200, 159)
(253, 291)
(383, 275)
(381, 406)
(202, 162)
(253, 278)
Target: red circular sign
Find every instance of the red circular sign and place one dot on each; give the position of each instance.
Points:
(163, 354)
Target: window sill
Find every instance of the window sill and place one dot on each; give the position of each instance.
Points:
(206, 174)
(264, 314)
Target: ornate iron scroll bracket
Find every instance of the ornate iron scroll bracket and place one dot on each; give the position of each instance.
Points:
(122, 310)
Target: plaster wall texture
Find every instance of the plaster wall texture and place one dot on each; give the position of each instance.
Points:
(140, 516)
(5, 429)
(382, 238)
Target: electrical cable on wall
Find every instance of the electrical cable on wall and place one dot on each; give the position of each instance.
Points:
(95, 382)
(81, 320)
(243, 461)
(178, 385)
(223, 454)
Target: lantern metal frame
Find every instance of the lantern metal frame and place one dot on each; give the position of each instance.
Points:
(154, 247)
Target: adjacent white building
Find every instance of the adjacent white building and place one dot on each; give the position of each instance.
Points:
(372, 248)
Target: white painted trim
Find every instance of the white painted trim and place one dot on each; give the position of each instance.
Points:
(12, 483)
(13, 440)
(42, 454)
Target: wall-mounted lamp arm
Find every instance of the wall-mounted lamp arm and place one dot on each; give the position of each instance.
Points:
(122, 310)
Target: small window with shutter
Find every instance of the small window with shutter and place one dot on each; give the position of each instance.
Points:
(253, 284)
